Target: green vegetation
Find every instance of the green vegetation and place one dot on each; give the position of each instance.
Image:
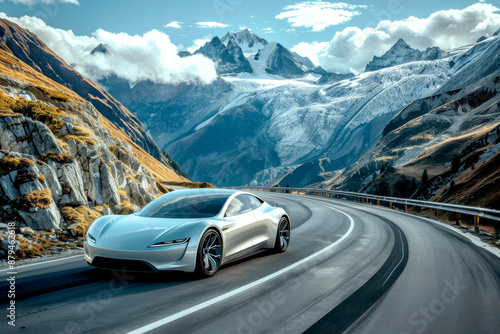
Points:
(425, 176)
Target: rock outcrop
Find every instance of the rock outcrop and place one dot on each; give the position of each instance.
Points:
(51, 160)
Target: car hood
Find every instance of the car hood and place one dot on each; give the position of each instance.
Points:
(133, 232)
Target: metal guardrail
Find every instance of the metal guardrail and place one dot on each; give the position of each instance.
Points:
(483, 213)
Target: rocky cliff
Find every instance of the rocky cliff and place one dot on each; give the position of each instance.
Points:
(62, 164)
(31, 50)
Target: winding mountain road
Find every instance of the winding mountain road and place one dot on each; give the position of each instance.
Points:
(349, 268)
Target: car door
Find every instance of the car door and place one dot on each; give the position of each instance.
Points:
(239, 228)
(263, 224)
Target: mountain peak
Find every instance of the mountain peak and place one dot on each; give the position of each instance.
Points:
(401, 53)
(246, 40)
(400, 43)
(102, 49)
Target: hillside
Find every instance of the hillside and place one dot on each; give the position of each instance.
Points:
(62, 163)
(31, 50)
(453, 136)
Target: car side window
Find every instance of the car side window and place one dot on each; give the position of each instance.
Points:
(254, 201)
(238, 205)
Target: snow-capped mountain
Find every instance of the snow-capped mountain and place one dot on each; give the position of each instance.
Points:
(246, 40)
(401, 53)
(257, 127)
(276, 59)
(101, 48)
(228, 57)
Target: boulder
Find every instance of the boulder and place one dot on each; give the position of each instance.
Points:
(51, 181)
(120, 175)
(43, 139)
(26, 230)
(7, 185)
(41, 219)
(28, 187)
(4, 244)
(70, 178)
(109, 189)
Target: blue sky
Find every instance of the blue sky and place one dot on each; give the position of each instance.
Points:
(146, 36)
(135, 17)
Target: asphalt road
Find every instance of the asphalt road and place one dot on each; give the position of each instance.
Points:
(349, 268)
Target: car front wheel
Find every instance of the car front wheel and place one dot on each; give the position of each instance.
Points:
(209, 255)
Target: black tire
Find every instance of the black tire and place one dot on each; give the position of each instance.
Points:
(282, 235)
(209, 255)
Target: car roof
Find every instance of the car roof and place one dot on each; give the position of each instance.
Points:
(206, 191)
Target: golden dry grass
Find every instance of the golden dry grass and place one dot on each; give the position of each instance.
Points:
(10, 163)
(82, 216)
(41, 199)
(41, 86)
(126, 208)
(188, 184)
(61, 158)
(46, 89)
(158, 170)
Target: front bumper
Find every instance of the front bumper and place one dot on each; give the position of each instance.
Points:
(180, 257)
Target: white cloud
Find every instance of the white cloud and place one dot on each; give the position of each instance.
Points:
(268, 30)
(352, 48)
(210, 24)
(151, 56)
(174, 24)
(197, 43)
(310, 50)
(318, 15)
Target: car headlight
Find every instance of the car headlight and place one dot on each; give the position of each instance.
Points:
(91, 238)
(171, 242)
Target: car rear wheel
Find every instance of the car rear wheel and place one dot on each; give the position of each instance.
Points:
(209, 254)
(283, 235)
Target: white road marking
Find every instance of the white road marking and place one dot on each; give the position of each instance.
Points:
(39, 263)
(244, 288)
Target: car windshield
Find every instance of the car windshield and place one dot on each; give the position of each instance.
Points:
(192, 206)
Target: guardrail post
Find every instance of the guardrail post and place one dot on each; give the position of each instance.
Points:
(390, 205)
(496, 230)
(476, 224)
(367, 201)
(378, 202)
(436, 212)
(457, 219)
(406, 207)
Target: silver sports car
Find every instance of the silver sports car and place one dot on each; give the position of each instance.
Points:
(195, 230)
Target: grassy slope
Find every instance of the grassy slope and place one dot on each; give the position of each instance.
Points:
(46, 89)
